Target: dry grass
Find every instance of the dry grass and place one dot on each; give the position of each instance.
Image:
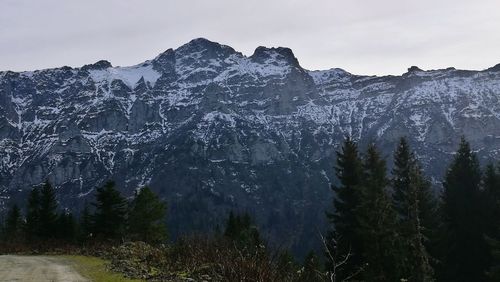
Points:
(95, 269)
(222, 260)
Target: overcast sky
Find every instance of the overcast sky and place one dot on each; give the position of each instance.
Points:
(360, 36)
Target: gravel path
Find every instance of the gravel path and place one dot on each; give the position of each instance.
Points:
(37, 268)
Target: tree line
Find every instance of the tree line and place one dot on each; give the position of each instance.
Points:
(109, 218)
(393, 228)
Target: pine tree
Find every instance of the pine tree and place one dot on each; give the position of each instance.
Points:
(2, 226)
(110, 209)
(493, 243)
(343, 240)
(66, 227)
(493, 272)
(430, 219)
(403, 164)
(13, 225)
(33, 215)
(491, 199)
(491, 183)
(85, 223)
(147, 217)
(47, 212)
(409, 190)
(377, 229)
(466, 252)
(231, 226)
(241, 230)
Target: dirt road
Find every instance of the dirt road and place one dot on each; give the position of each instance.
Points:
(37, 268)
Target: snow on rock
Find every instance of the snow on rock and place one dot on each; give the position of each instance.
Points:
(206, 101)
(129, 75)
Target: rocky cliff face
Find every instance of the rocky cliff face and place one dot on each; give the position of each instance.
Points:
(212, 130)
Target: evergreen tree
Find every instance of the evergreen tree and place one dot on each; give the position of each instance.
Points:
(491, 182)
(493, 242)
(430, 219)
(48, 211)
(66, 227)
(2, 226)
(13, 224)
(108, 221)
(465, 255)
(343, 240)
(403, 163)
(147, 217)
(231, 226)
(409, 190)
(377, 229)
(491, 199)
(241, 230)
(33, 215)
(85, 229)
(493, 272)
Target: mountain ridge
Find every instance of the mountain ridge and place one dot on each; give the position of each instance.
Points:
(208, 127)
(107, 63)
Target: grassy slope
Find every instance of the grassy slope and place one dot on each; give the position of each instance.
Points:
(95, 269)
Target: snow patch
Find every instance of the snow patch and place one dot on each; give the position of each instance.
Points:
(214, 116)
(129, 75)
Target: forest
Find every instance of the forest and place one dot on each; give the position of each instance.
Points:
(383, 226)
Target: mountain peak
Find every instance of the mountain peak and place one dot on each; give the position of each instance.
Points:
(206, 46)
(99, 65)
(201, 41)
(262, 54)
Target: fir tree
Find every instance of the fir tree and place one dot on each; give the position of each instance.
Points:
(430, 219)
(377, 229)
(410, 188)
(403, 164)
(491, 199)
(493, 272)
(33, 215)
(66, 227)
(110, 209)
(85, 229)
(241, 230)
(491, 183)
(231, 226)
(465, 250)
(343, 240)
(47, 212)
(147, 217)
(13, 224)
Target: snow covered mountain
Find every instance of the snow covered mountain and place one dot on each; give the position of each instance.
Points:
(212, 130)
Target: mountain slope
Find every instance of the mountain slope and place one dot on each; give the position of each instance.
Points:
(212, 130)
